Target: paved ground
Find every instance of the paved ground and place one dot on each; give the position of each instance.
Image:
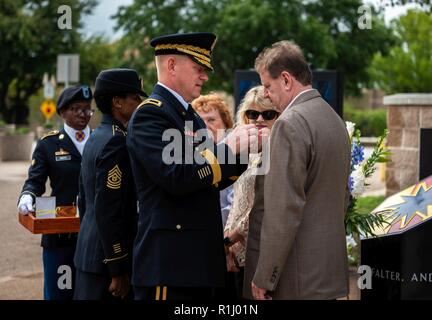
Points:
(21, 274)
(21, 262)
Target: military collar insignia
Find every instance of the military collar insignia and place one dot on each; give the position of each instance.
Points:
(61, 152)
(116, 128)
(151, 101)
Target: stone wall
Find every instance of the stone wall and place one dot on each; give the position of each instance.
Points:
(406, 114)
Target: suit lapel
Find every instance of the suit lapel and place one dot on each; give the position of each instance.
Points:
(66, 144)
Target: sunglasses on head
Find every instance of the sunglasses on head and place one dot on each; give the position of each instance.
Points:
(267, 114)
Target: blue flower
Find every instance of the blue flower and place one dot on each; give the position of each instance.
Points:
(350, 183)
(357, 154)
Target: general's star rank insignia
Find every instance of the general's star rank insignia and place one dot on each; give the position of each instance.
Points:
(114, 178)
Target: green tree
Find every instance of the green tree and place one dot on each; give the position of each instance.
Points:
(326, 30)
(408, 66)
(30, 40)
(96, 53)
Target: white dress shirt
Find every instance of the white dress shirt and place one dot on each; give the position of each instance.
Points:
(71, 133)
(179, 97)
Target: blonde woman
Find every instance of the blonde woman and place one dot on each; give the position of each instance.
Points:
(258, 110)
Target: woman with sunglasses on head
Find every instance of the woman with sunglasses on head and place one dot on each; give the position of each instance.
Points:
(58, 157)
(258, 110)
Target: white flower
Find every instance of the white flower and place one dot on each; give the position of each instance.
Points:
(350, 127)
(358, 181)
(350, 241)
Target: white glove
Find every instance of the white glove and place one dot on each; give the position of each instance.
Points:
(25, 204)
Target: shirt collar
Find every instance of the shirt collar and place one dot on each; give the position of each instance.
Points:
(175, 94)
(304, 91)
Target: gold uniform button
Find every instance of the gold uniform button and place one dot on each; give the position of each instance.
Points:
(61, 136)
(178, 227)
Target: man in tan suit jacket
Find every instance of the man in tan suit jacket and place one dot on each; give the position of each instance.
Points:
(296, 245)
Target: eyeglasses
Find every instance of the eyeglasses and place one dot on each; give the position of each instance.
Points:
(267, 114)
(78, 111)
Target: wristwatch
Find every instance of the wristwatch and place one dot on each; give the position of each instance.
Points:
(226, 241)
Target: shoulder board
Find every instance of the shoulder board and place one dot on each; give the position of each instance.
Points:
(116, 128)
(150, 101)
(50, 134)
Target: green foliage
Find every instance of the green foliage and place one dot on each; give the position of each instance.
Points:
(18, 131)
(327, 31)
(407, 68)
(372, 123)
(365, 205)
(48, 125)
(380, 154)
(362, 222)
(30, 40)
(96, 54)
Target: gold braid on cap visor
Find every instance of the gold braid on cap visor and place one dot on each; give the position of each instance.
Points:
(205, 60)
(182, 46)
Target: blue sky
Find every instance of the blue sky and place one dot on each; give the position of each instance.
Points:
(101, 22)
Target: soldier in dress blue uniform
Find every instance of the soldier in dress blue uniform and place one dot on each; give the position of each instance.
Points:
(58, 157)
(179, 251)
(107, 197)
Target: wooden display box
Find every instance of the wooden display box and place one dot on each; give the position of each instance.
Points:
(49, 226)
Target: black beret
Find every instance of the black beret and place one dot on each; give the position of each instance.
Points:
(72, 94)
(119, 80)
(197, 45)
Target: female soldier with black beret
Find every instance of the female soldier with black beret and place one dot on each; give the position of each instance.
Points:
(58, 157)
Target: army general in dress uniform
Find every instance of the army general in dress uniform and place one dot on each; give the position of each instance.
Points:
(58, 157)
(179, 251)
(107, 198)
